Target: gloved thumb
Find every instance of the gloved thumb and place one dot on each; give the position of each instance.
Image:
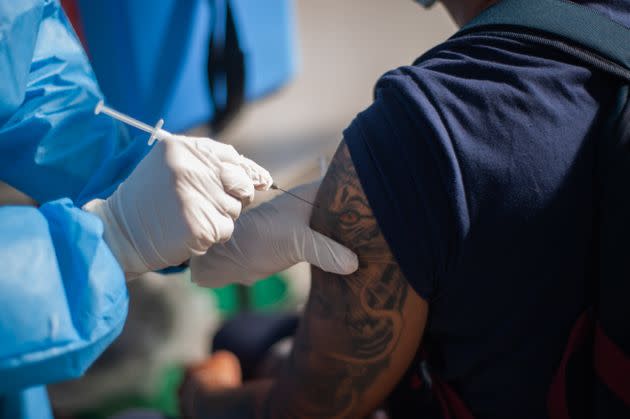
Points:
(328, 255)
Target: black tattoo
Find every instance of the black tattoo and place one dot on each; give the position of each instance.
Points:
(351, 324)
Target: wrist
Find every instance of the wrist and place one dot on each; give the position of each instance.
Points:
(116, 238)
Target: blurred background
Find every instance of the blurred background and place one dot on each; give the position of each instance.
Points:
(306, 69)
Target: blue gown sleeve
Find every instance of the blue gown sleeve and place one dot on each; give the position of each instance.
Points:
(51, 143)
(62, 293)
(31, 403)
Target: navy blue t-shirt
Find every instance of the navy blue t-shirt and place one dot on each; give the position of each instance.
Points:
(478, 162)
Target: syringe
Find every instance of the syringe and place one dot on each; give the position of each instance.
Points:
(157, 133)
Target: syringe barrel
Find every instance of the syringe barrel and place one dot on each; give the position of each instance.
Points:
(101, 107)
(156, 132)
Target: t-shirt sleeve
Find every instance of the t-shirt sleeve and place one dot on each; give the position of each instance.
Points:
(408, 168)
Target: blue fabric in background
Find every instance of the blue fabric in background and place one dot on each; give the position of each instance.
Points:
(478, 164)
(268, 37)
(151, 57)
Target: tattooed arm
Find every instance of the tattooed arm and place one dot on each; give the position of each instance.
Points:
(359, 333)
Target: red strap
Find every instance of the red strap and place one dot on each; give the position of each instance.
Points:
(444, 404)
(416, 382)
(72, 11)
(612, 365)
(557, 402)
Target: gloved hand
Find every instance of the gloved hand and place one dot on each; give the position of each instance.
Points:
(182, 198)
(270, 238)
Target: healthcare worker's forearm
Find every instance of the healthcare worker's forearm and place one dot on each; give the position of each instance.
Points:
(118, 240)
(62, 293)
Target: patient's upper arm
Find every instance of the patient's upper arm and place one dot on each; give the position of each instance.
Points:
(359, 332)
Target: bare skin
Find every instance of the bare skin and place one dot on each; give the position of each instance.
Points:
(358, 335)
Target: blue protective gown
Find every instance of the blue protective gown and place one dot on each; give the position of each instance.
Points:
(62, 294)
(144, 33)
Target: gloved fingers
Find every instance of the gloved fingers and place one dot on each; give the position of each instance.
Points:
(228, 205)
(227, 185)
(223, 227)
(222, 265)
(260, 177)
(209, 226)
(328, 255)
(237, 183)
(225, 153)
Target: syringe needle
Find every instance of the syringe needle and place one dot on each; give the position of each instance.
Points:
(276, 187)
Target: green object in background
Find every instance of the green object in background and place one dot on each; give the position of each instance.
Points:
(164, 400)
(268, 294)
(227, 298)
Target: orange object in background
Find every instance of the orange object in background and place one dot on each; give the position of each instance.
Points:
(220, 371)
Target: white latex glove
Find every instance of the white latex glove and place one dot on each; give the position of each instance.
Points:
(270, 238)
(182, 198)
